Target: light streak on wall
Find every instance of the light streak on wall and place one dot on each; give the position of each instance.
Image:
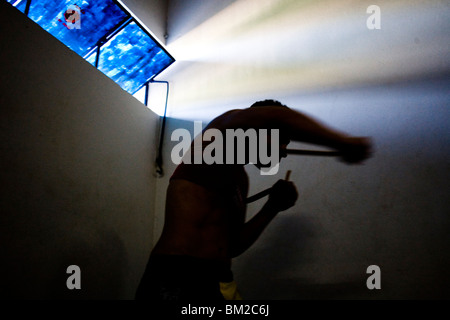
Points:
(280, 47)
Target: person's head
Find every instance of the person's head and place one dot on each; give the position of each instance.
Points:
(268, 103)
(284, 138)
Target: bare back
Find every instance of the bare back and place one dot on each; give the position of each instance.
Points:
(201, 221)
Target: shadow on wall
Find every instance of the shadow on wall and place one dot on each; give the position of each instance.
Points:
(287, 249)
(190, 14)
(38, 267)
(75, 171)
(102, 269)
(399, 221)
(393, 212)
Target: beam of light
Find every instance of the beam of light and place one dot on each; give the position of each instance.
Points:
(258, 48)
(157, 97)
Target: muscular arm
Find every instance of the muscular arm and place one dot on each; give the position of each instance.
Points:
(299, 127)
(282, 196)
(251, 230)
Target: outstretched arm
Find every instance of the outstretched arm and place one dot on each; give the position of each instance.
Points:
(283, 195)
(298, 127)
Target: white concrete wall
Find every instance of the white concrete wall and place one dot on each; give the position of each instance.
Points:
(153, 15)
(321, 59)
(239, 51)
(77, 171)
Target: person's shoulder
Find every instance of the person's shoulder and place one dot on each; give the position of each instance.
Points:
(230, 113)
(259, 117)
(222, 121)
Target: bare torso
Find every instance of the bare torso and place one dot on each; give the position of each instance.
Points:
(200, 222)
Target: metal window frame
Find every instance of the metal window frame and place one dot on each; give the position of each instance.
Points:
(107, 37)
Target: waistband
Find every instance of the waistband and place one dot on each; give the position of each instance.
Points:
(191, 266)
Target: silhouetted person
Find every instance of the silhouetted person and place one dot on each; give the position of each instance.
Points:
(205, 224)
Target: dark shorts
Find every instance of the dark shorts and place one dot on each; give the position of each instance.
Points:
(182, 278)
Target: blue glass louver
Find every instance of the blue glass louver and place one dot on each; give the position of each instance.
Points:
(132, 57)
(19, 4)
(91, 58)
(97, 18)
(128, 54)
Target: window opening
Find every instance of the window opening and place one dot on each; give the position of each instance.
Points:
(105, 34)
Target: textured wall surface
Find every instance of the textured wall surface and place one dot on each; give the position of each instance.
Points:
(391, 84)
(77, 183)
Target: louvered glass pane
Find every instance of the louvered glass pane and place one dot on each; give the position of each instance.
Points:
(132, 57)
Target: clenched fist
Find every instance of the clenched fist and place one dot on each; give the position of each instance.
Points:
(355, 150)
